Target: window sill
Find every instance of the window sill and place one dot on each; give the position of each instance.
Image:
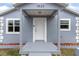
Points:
(64, 29)
(12, 32)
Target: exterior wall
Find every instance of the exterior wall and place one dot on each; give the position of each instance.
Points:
(52, 29)
(69, 36)
(10, 38)
(27, 29)
(76, 52)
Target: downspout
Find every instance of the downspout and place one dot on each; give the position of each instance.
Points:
(58, 27)
(21, 21)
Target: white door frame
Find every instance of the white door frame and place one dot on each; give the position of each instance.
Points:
(45, 29)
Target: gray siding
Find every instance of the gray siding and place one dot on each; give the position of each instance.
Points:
(76, 52)
(26, 30)
(52, 29)
(69, 36)
(10, 38)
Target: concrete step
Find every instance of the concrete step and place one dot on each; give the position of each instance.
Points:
(39, 48)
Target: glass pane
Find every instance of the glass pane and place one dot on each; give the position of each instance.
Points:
(17, 22)
(17, 29)
(64, 22)
(64, 26)
(10, 29)
(10, 22)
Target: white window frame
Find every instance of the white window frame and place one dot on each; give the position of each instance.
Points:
(7, 25)
(69, 24)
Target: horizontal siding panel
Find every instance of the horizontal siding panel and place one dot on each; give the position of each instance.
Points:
(1, 37)
(1, 29)
(1, 24)
(77, 34)
(77, 31)
(77, 28)
(77, 18)
(77, 37)
(1, 41)
(78, 41)
(77, 24)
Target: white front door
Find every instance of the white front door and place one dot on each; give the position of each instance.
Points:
(39, 29)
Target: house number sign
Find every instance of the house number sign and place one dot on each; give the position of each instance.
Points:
(40, 5)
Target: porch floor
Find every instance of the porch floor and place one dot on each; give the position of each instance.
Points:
(39, 47)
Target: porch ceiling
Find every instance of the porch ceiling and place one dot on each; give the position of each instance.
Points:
(39, 12)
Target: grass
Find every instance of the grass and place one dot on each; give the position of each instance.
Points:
(9, 52)
(67, 51)
(15, 52)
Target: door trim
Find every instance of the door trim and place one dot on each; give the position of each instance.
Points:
(45, 29)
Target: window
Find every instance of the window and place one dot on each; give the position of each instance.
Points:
(13, 25)
(65, 24)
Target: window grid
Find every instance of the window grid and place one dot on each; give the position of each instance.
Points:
(65, 24)
(13, 26)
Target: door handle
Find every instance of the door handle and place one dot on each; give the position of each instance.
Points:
(35, 28)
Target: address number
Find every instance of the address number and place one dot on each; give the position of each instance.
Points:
(40, 6)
